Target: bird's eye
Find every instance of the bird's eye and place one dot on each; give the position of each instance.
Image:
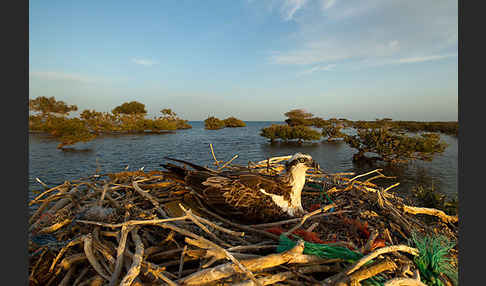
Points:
(302, 160)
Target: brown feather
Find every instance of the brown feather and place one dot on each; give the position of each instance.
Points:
(238, 195)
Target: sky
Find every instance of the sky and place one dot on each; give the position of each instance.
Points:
(253, 59)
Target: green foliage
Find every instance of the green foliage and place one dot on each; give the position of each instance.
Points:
(130, 123)
(298, 117)
(318, 122)
(50, 105)
(161, 124)
(99, 122)
(67, 130)
(332, 132)
(298, 121)
(332, 129)
(434, 259)
(182, 124)
(448, 127)
(233, 122)
(168, 113)
(394, 146)
(132, 107)
(171, 116)
(285, 132)
(213, 123)
(298, 113)
(304, 133)
(275, 131)
(126, 118)
(36, 123)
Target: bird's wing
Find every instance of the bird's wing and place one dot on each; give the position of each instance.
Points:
(272, 186)
(239, 194)
(196, 167)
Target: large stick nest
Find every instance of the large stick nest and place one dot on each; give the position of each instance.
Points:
(140, 228)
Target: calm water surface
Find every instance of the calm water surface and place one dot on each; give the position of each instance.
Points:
(114, 153)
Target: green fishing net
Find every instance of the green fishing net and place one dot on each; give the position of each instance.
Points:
(434, 258)
(328, 251)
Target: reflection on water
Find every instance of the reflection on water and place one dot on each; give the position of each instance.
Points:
(115, 152)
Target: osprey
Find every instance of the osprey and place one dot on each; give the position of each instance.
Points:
(246, 195)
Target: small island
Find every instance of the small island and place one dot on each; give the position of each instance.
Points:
(51, 116)
(214, 123)
(394, 142)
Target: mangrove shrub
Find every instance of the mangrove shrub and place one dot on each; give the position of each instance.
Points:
(100, 122)
(213, 123)
(286, 132)
(233, 122)
(51, 118)
(50, 105)
(171, 116)
(67, 131)
(129, 108)
(394, 146)
(298, 117)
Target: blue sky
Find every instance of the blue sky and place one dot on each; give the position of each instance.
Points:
(252, 59)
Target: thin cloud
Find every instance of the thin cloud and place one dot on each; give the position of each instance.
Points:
(329, 67)
(327, 4)
(51, 75)
(423, 59)
(144, 62)
(400, 60)
(368, 32)
(290, 7)
(332, 50)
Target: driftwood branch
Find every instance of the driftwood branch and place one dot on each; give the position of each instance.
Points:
(239, 226)
(119, 256)
(88, 250)
(204, 228)
(150, 198)
(378, 252)
(97, 250)
(136, 260)
(433, 212)
(305, 217)
(404, 282)
(228, 269)
(279, 277)
(368, 272)
(292, 220)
